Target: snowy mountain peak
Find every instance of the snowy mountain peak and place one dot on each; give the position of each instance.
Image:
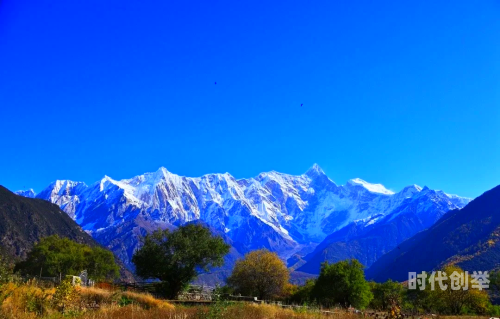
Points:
(105, 180)
(315, 171)
(374, 188)
(162, 171)
(415, 186)
(61, 188)
(410, 190)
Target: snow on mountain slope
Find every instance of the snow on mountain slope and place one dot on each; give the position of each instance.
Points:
(374, 188)
(64, 193)
(30, 193)
(281, 212)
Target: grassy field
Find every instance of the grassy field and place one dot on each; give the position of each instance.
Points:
(26, 301)
(29, 301)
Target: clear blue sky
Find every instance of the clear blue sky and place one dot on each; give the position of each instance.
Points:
(393, 92)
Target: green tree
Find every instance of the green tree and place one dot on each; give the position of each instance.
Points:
(101, 265)
(304, 293)
(175, 257)
(342, 283)
(54, 256)
(6, 271)
(417, 301)
(386, 294)
(494, 289)
(261, 273)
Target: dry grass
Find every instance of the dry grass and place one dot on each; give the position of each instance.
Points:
(90, 295)
(234, 311)
(30, 301)
(25, 301)
(147, 301)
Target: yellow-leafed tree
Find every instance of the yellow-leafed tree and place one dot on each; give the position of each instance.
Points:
(261, 274)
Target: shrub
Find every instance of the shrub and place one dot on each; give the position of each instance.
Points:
(66, 297)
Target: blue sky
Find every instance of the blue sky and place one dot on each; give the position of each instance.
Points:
(393, 92)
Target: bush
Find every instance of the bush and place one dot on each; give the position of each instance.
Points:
(494, 310)
(66, 297)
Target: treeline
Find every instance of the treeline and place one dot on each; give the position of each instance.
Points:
(175, 258)
(59, 257)
(337, 286)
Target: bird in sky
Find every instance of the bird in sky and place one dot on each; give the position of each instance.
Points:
(215, 82)
(301, 104)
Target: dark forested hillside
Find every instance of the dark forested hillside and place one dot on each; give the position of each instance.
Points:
(468, 238)
(23, 221)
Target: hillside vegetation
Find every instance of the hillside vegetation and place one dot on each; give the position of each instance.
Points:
(24, 221)
(468, 238)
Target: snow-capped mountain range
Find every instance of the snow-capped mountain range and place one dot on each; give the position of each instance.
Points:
(284, 213)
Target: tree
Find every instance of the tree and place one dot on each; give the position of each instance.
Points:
(6, 272)
(303, 294)
(261, 273)
(54, 256)
(101, 265)
(175, 257)
(458, 301)
(386, 295)
(494, 290)
(343, 283)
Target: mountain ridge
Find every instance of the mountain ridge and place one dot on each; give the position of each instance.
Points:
(466, 237)
(282, 212)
